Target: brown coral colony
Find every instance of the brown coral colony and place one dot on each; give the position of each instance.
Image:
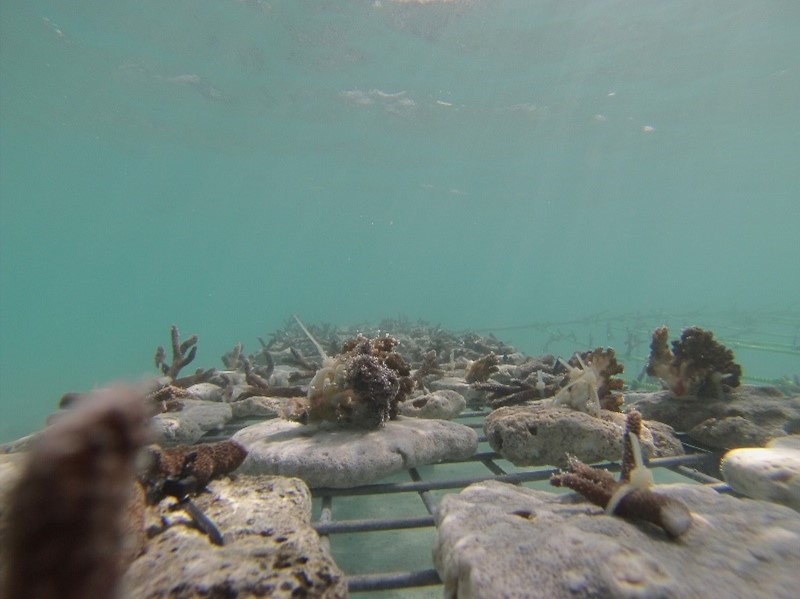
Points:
(698, 365)
(360, 387)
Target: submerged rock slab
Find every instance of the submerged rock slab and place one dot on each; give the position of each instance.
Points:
(498, 540)
(771, 473)
(444, 404)
(472, 396)
(344, 458)
(536, 435)
(270, 548)
(747, 417)
(189, 424)
(257, 407)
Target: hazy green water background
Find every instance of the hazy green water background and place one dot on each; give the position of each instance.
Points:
(223, 164)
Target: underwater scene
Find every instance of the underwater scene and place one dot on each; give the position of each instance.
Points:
(399, 298)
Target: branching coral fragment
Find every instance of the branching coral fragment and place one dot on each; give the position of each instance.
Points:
(180, 357)
(481, 369)
(631, 497)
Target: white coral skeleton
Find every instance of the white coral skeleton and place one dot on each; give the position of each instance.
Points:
(581, 393)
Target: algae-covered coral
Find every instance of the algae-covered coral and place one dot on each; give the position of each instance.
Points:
(360, 387)
(698, 364)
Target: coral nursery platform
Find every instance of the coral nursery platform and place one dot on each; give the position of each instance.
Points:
(382, 534)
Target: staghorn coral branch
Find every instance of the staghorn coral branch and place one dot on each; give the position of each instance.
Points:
(253, 378)
(599, 487)
(233, 358)
(633, 425)
(180, 357)
(303, 361)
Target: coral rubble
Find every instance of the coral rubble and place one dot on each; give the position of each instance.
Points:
(586, 382)
(698, 365)
(67, 514)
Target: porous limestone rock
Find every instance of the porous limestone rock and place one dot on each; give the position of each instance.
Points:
(771, 473)
(444, 404)
(257, 406)
(537, 435)
(746, 417)
(192, 422)
(473, 397)
(270, 548)
(499, 540)
(341, 458)
(205, 392)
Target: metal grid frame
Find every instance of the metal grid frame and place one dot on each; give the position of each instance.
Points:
(699, 464)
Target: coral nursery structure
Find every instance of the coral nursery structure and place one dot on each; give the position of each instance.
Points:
(698, 365)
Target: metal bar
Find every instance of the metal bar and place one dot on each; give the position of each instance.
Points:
(371, 524)
(325, 518)
(394, 580)
(475, 457)
(475, 425)
(516, 477)
(696, 475)
(416, 487)
(494, 468)
(473, 414)
(427, 498)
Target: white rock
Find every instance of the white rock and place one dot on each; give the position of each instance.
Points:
(498, 540)
(789, 441)
(189, 424)
(344, 458)
(460, 386)
(257, 406)
(282, 375)
(771, 473)
(205, 392)
(542, 435)
(444, 404)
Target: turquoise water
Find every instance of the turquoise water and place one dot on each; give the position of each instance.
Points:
(223, 164)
